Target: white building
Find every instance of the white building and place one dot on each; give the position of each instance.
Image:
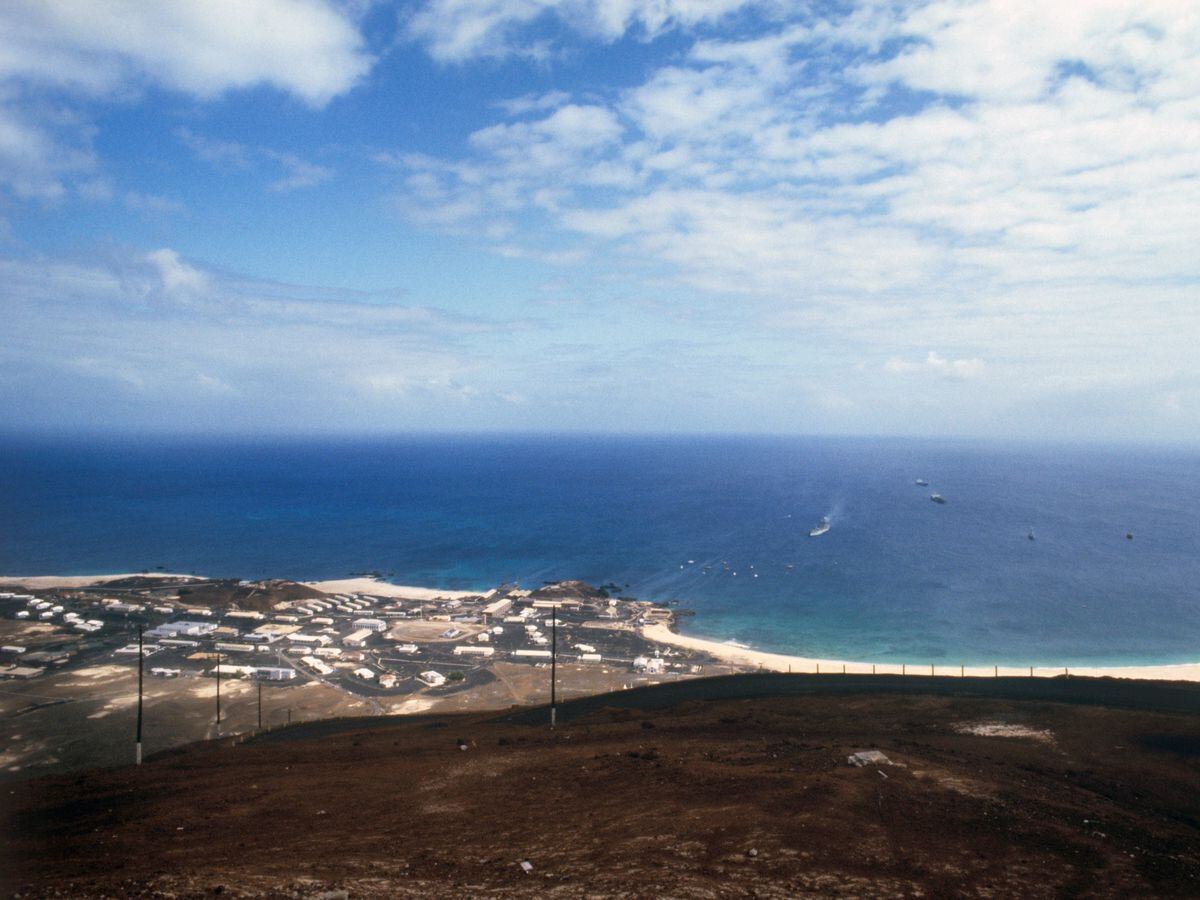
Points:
(432, 678)
(176, 629)
(275, 673)
(227, 671)
(651, 665)
(370, 624)
(315, 640)
(364, 673)
(473, 650)
(234, 648)
(317, 665)
(358, 638)
(244, 614)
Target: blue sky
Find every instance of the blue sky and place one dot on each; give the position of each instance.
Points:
(937, 218)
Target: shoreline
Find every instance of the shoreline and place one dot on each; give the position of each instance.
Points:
(729, 653)
(782, 662)
(367, 585)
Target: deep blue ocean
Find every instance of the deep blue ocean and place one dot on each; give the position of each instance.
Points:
(897, 577)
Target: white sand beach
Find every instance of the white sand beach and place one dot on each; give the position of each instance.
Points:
(49, 582)
(386, 589)
(778, 662)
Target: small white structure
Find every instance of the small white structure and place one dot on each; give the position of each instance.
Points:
(314, 640)
(590, 657)
(244, 614)
(175, 629)
(358, 638)
(364, 673)
(387, 680)
(234, 648)
(498, 607)
(132, 649)
(275, 673)
(432, 678)
(585, 648)
(370, 624)
(532, 654)
(407, 648)
(198, 611)
(651, 665)
(165, 673)
(473, 650)
(227, 671)
(12, 648)
(318, 666)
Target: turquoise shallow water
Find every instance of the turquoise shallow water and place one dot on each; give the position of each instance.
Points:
(897, 577)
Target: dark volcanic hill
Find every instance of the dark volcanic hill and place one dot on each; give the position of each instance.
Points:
(655, 792)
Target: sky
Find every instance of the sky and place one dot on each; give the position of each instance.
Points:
(309, 216)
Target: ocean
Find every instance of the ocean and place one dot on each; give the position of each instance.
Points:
(718, 523)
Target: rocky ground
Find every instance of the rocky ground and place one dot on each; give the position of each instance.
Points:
(646, 793)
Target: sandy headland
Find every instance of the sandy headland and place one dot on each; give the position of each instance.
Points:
(386, 589)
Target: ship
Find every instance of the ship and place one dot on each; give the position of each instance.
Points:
(823, 526)
(922, 482)
(937, 498)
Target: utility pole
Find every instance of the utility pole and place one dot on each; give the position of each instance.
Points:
(553, 663)
(141, 628)
(260, 706)
(218, 693)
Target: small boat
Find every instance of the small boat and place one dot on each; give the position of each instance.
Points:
(1030, 535)
(937, 498)
(922, 482)
(823, 526)
(1129, 535)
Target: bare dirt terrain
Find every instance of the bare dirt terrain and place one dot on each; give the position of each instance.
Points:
(652, 792)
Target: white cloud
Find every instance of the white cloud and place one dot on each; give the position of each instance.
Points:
(38, 153)
(1015, 179)
(933, 364)
(175, 274)
(231, 154)
(531, 103)
(202, 47)
(298, 173)
(153, 340)
(55, 56)
(460, 30)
